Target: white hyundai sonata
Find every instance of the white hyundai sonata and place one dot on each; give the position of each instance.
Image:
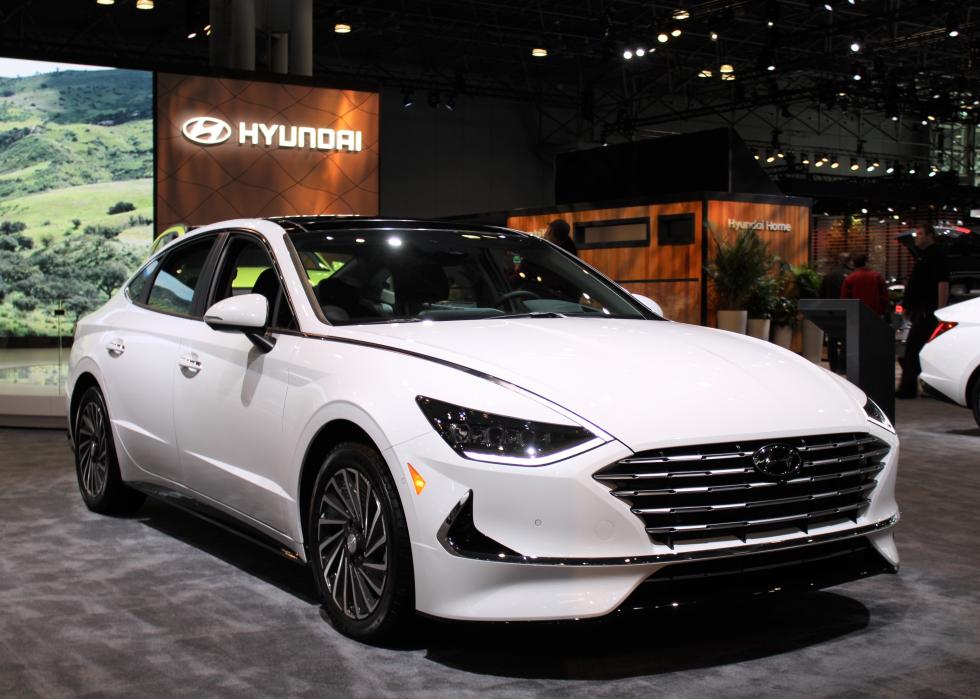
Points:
(951, 357)
(470, 423)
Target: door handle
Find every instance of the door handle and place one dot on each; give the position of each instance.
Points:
(189, 363)
(115, 347)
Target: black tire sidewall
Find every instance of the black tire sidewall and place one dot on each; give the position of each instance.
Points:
(399, 582)
(93, 394)
(975, 400)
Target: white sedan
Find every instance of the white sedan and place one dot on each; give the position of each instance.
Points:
(470, 423)
(951, 357)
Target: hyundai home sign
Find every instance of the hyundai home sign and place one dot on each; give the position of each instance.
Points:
(211, 131)
(759, 226)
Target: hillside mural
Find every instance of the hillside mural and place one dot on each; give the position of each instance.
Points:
(76, 190)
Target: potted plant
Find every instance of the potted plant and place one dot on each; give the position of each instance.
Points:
(759, 307)
(807, 282)
(784, 312)
(735, 271)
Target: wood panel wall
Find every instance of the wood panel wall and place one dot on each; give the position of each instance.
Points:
(672, 274)
(669, 274)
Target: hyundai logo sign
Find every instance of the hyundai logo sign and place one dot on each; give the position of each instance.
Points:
(207, 131)
(210, 131)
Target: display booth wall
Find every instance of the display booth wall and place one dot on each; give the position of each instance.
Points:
(667, 266)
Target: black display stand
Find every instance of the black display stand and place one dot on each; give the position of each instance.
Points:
(869, 345)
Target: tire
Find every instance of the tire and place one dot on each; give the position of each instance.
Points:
(359, 546)
(974, 399)
(96, 465)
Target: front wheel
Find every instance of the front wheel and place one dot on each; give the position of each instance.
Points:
(359, 546)
(975, 401)
(96, 465)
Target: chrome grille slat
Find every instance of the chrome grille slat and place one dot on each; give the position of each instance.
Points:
(698, 489)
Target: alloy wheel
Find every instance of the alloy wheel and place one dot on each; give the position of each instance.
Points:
(353, 543)
(93, 460)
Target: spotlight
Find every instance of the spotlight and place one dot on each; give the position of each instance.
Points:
(953, 24)
(890, 169)
(804, 158)
(780, 154)
(932, 173)
(827, 6)
(663, 38)
(857, 71)
(705, 73)
(771, 66)
(856, 45)
(451, 102)
(640, 53)
(714, 36)
(341, 28)
(407, 100)
(539, 53)
(627, 54)
(835, 163)
(871, 167)
(864, 210)
(819, 163)
(676, 32)
(144, 4)
(681, 15)
(854, 165)
(770, 157)
(105, 2)
(755, 154)
(911, 170)
(894, 117)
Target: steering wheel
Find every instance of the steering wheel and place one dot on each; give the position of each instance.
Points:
(516, 294)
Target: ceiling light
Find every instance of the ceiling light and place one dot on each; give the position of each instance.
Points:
(932, 173)
(871, 167)
(676, 32)
(819, 163)
(105, 2)
(539, 53)
(726, 68)
(834, 164)
(953, 24)
(780, 154)
(144, 4)
(663, 38)
(769, 156)
(192, 35)
(706, 73)
(627, 54)
(341, 28)
(771, 66)
(755, 154)
(804, 158)
(681, 14)
(827, 6)
(770, 24)
(894, 117)
(714, 36)
(855, 46)
(911, 172)
(890, 169)
(864, 210)
(407, 100)
(641, 53)
(854, 165)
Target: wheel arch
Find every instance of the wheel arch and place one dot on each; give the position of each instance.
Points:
(328, 436)
(971, 384)
(85, 381)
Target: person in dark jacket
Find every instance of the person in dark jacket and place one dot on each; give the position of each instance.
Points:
(830, 288)
(926, 291)
(559, 233)
(866, 285)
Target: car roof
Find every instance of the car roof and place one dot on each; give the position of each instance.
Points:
(303, 224)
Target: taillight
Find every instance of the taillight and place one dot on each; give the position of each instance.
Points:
(899, 309)
(944, 326)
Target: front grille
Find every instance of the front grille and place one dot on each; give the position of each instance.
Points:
(714, 493)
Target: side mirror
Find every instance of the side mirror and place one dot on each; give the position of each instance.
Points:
(248, 313)
(650, 304)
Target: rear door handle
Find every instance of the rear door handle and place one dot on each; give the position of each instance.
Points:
(115, 347)
(189, 363)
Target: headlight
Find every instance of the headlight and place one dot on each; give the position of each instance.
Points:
(487, 437)
(877, 415)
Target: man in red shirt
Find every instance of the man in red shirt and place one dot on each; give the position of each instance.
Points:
(867, 285)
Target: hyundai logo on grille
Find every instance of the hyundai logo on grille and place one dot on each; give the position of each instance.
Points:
(208, 131)
(777, 461)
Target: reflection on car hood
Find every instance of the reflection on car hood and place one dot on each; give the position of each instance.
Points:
(647, 383)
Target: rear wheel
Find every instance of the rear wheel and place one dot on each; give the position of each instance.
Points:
(974, 399)
(359, 546)
(96, 466)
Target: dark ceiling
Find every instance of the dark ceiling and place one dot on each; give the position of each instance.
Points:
(908, 62)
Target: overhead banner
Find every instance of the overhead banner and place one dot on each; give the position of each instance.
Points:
(238, 149)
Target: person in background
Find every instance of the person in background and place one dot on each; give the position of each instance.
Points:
(830, 288)
(866, 285)
(559, 233)
(926, 291)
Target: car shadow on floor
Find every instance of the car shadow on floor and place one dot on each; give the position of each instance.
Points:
(967, 432)
(650, 643)
(290, 577)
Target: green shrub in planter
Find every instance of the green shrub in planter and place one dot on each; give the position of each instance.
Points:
(738, 268)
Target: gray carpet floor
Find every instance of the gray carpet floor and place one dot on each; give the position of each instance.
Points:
(164, 605)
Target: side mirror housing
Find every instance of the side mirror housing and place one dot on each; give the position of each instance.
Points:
(650, 304)
(248, 313)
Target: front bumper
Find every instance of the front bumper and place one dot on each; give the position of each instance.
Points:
(552, 543)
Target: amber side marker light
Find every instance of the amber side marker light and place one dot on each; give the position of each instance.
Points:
(943, 326)
(417, 480)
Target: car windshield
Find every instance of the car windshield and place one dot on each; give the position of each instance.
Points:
(400, 275)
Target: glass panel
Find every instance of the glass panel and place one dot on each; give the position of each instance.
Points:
(138, 285)
(173, 288)
(397, 275)
(612, 233)
(247, 269)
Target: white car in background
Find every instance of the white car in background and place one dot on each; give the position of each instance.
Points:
(951, 357)
(468, 422)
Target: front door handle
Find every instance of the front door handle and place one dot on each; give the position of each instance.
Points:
(115, 347)
(190, 364)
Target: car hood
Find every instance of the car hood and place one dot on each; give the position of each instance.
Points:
(647, 383)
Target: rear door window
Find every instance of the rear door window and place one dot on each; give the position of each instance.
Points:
(179, 278)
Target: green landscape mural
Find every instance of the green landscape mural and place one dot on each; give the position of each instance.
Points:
(76, 193)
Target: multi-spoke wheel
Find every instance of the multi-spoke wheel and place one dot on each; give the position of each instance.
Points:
(359, 545)
(95, 460)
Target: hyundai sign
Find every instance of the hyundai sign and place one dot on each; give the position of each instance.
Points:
(238, 149)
